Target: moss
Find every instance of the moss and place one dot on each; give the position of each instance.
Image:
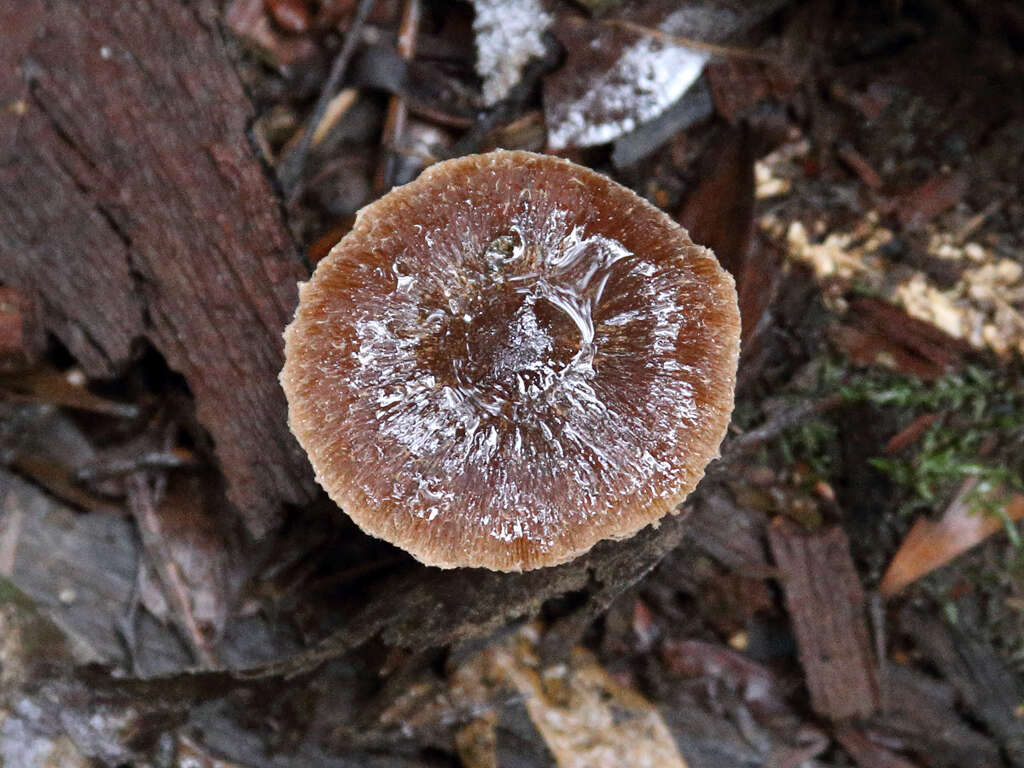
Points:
(981, 416)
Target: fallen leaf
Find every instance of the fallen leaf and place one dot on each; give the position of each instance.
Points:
(911, 433)
(249, 20)
(48, 385)
(874, 332)
(290, 15)
(719, 214)
(930, 545)
(586, 718)
(937, 195)
(868, 754)
(613, 80)
(187, 578)
(857, 163)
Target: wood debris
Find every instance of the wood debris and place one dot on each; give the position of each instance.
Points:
(134, 213)
(585, 717)
(826, 605)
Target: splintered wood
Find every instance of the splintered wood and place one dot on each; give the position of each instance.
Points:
(133, 210)
(826, 605)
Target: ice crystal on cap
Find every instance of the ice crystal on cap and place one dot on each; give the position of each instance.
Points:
(510, 359)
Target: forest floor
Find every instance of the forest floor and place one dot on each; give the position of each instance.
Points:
(846, 586)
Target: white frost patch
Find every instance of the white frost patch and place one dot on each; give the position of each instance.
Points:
(508, 34)
(648, 77)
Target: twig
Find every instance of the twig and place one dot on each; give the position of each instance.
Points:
(776, 425)
(10, 532)
(876, 608)
(398, 112)
(292, 166)
(125, 626)
(726, 51)
(977, 221)
(105, 470)
(144, 492)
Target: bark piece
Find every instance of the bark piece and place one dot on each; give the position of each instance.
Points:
(826, 605)
(866, 753)
(21, 337)
(985, 684)
(920, 717)
(132, 206)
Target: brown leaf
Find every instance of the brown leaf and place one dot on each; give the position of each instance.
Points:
(911, 433)
(290, 15)
(48, 447)
(249, 20)
(857, 163)
(604, 89)
(188, 578)
(930, 545)
(323, 244)
(875, 332)
(67, 388)
(720, 215)
(937, 195)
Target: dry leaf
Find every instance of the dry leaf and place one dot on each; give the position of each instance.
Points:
(586, 718)
(874, 332)
(613, 80)
(930, 545)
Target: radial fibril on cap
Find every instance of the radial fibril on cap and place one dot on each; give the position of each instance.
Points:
(510, 359)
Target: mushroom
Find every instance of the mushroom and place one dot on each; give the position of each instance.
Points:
(510, 359)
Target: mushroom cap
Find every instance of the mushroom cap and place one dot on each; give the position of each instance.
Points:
(510, 359)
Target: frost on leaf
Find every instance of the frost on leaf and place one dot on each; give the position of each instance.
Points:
(614, 81)
(616, 78)
(510, 359)
(508, 33)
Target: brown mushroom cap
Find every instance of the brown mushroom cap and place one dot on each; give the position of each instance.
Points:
(510, 359)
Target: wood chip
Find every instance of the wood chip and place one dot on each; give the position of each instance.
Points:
(826, 605)
(868, 754)
(985, 684)
(921, 717)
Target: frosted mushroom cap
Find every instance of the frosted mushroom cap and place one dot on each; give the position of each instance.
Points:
(510, 359)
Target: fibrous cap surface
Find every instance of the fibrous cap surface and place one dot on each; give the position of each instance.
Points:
(510, 359)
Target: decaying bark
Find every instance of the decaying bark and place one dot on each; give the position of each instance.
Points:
(826, 605)
(133, 208)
